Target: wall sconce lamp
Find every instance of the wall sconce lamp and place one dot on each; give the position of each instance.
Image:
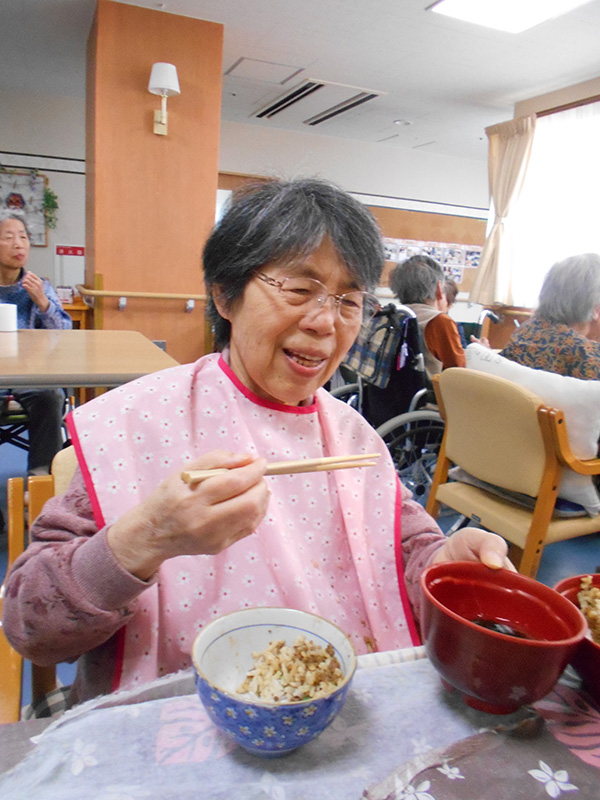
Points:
(164, 82)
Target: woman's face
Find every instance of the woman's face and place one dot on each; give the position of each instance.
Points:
(14, 246)
(281, 352)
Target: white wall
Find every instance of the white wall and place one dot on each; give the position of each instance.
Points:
(55, 126)
(361, 167)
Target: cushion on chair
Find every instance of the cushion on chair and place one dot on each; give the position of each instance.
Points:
(579, 400)
(563, 509)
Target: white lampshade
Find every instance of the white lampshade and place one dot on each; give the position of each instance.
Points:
(163, 80)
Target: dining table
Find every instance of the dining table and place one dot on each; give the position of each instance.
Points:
(77, 358)
(399, 736)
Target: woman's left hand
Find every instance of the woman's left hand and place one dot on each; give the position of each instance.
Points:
(35, 289)
(473, 544)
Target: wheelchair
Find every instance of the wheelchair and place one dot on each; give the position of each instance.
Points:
(391, 391)
(13, 423)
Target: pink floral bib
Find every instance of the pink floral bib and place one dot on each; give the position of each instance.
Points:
(329, 544)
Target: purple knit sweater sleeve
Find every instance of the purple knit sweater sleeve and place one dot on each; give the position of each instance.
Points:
(67, 594)
(421, 539)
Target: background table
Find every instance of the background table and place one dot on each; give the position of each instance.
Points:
(77, 358)
(80, 313)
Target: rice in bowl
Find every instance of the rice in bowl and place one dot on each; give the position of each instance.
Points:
(293, 673)
(588, 598)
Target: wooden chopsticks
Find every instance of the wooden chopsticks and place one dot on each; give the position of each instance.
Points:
(290, 467)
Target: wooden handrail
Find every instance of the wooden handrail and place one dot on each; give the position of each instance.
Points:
(510, 311)
(85, 292)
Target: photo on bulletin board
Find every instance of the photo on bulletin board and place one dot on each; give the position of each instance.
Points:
(454, 272)
(408, 248)
(472, 256)
(433, 250)
(390, 247)
(22, 192)
(454, 254)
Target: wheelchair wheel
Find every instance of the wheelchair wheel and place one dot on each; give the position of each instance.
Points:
(349, 393)
(414, 440)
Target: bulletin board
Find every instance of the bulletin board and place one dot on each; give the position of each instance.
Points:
(22, 191)
(455, 242)
(452, 240)
(453, 257)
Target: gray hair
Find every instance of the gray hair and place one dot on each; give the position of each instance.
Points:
(277, 219)
(9, 213)
(571, 290)
(415, 280)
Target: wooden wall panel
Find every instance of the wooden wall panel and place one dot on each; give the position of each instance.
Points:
(151, 199)
(400, 224)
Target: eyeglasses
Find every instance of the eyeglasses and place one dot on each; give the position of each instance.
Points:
(311, 295)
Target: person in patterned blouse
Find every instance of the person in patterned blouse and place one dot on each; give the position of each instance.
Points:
(563, 335)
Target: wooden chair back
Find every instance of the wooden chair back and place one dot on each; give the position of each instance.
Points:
(39, 489)
(504, 435)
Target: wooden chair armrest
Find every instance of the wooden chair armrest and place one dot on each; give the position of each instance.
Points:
(11, 668)
(553, 421)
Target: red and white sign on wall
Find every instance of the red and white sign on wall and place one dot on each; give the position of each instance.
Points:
(69, 250)
(69, 265)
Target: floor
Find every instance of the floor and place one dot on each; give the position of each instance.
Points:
(558, 561)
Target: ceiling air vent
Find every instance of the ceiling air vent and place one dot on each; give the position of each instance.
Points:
(313, 102)
(289, 98)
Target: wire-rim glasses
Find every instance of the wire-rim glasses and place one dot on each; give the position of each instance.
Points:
(311, 295)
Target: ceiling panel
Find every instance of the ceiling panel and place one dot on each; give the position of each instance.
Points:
(448, 78)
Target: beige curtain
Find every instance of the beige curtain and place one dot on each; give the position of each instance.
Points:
(509, 151)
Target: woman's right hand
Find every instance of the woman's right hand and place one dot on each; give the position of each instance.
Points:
(190, 519)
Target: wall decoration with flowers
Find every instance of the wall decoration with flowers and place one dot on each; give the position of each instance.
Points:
(27, 192)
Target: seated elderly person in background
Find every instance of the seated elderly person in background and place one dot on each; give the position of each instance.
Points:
(131, 562)
(419, 283)
(37, 307)
(451, 291)
(563, 334)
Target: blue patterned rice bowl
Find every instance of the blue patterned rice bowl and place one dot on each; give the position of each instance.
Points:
(222, 656)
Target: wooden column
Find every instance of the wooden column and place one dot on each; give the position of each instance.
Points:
(150, 199)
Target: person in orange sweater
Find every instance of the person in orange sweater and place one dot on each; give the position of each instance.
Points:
(418, 283)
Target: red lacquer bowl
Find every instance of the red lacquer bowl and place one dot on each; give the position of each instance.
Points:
(586, 659)
(494, 671)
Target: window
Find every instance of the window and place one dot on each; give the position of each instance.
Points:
(558, 211)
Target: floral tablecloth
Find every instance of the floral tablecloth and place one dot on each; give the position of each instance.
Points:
(399, 736)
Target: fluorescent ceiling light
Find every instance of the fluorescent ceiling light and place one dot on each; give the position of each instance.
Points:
(513, 16)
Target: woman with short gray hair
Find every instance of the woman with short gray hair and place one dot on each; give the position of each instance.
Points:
(128, 564)
(37, 306)
(563, 335)
(418, 283)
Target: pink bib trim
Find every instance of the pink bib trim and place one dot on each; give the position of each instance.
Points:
(87, 478)
(259, 401)
(412, 628)
(119, 660)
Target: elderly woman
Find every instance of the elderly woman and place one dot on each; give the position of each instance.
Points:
(563, 334)
(419, 283)
(132, 562)
(37, 307)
